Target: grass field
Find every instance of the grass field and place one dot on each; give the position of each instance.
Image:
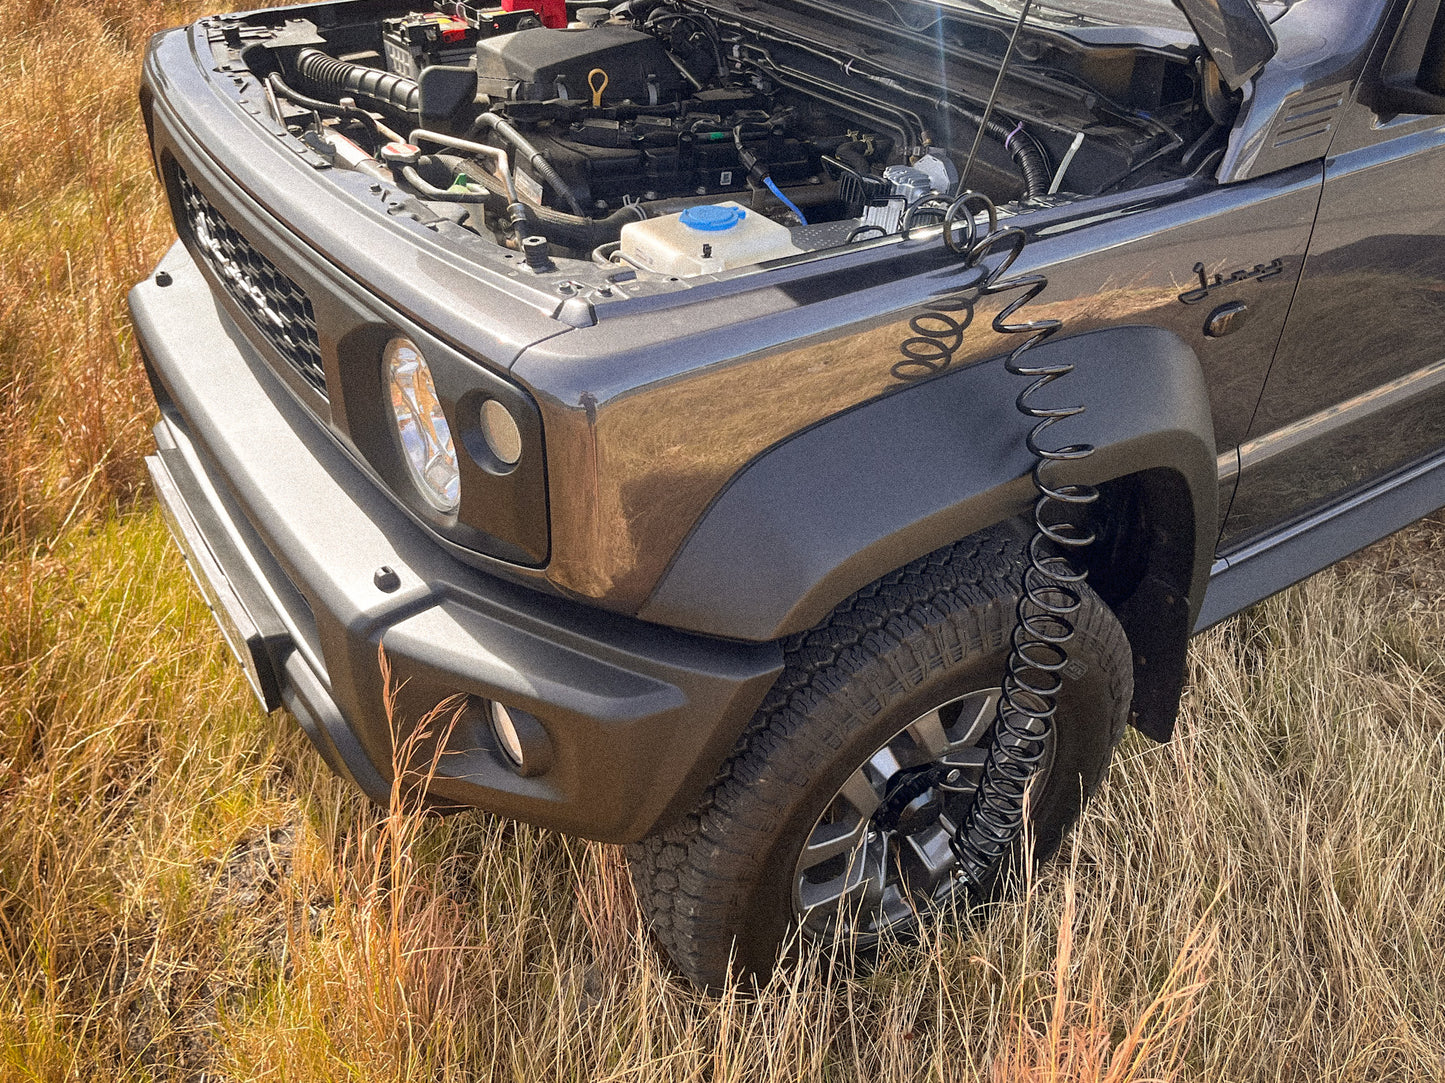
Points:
(185, 894)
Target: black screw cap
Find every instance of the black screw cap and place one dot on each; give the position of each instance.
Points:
(163, 278)
(386, 578)
(538, 254)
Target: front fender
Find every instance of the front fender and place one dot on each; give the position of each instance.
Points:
(828, 511)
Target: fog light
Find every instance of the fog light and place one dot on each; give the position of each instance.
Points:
(507, 736)
(426, 438)
(522, 739)
(500, 431)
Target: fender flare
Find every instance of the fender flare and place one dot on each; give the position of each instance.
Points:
(841, 504)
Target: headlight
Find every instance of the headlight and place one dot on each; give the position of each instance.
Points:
(426, 439)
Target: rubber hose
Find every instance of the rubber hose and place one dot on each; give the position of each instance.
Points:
(431, 191)
(533, 157)
(1027, 156)
(329, 109)
(341, 76)
(584, 233)
(568, 230)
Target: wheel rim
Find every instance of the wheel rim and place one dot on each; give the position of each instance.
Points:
(879, 851)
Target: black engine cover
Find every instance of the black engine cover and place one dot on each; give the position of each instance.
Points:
(542, 64)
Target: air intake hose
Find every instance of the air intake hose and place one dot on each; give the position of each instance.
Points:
(357, 80)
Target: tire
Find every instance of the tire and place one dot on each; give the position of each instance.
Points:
(722, 887)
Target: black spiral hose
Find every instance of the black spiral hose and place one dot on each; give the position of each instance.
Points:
(1025, 153)
(1050, 595)
(1050, 590)
(357, 80)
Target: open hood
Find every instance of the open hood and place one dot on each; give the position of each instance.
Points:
(1236, 35)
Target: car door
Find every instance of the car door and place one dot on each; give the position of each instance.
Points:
(1356, 392)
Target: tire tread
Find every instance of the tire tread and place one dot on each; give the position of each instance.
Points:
(950, 605)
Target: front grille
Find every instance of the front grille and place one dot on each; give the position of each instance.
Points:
(279, 307)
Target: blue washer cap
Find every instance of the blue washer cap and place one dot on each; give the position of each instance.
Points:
(711, 218)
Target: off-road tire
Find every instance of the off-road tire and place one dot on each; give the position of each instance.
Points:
(716, 886)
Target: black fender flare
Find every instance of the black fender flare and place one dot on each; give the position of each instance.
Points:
(839, 505)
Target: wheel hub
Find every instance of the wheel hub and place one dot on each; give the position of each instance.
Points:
(879, 852)
(912, 805)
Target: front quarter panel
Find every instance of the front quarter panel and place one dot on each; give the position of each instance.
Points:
(850, 500)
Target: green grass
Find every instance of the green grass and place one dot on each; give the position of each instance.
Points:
(186, 894)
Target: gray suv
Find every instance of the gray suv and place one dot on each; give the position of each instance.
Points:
(792, 438)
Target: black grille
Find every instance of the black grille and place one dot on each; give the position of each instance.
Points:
(279, 307)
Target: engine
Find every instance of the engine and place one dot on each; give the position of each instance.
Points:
(573, 128)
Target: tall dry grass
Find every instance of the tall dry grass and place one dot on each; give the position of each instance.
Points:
(185, 894)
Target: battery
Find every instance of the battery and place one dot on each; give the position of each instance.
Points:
(422, 39)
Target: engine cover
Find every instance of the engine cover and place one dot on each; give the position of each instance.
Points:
(543, 64)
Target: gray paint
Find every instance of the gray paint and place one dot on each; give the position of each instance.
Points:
(730, 455)
(849, 500)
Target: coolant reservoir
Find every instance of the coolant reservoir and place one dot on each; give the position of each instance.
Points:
(705, 239)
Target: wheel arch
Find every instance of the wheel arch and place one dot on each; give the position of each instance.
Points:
(814, 519)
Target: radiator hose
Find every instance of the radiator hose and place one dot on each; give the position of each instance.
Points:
(357, 80)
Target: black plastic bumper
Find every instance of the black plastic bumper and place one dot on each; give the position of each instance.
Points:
(286, 537)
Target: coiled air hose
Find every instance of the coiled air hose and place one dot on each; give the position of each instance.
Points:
(357, 80)
(1050, 591)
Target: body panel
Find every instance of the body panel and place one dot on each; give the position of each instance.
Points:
(638, 716)
(657, 411)
(1357, 389)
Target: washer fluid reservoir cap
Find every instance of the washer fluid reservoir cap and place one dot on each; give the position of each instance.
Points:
(712, 219)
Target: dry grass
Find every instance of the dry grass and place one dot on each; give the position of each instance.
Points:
(184, 893)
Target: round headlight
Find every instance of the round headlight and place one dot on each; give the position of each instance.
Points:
(426, 438)
(500, 430)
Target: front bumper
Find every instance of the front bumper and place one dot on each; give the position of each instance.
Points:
(287, 537)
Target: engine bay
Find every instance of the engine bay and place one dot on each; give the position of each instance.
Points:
(691, 137)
